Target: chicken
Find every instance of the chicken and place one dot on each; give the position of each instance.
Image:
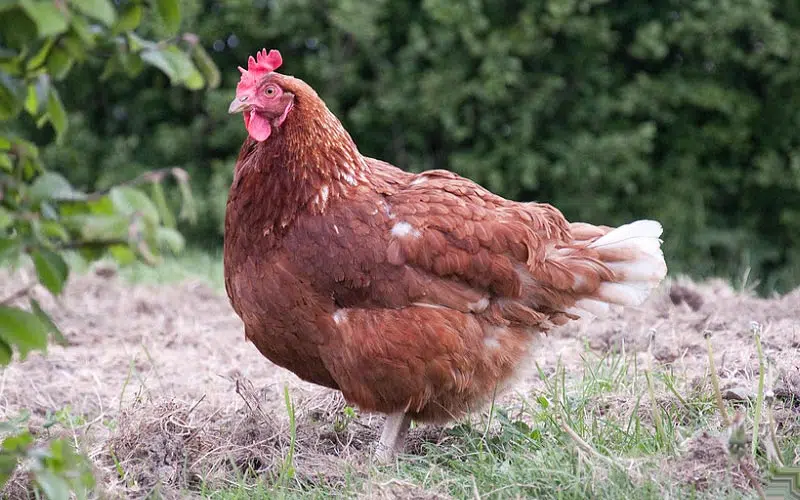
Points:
(415, 295)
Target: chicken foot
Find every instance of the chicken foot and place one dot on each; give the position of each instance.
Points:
(393, 437)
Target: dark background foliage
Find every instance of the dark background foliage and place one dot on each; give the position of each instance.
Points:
(683, 111)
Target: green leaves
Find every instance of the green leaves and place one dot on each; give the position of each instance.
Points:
(33, 101)
(12, 94)
(48, 323)
(130, 201)
(17, 443)
(124, 220)
(170, 239)
(160, 200)
(51, 269)
(78, 26)
(56, 113)
(53, 186)
(41, 213)
(10, 249)
(56, 468)
(142, 219)
(100, 227)
(176, 65)
(59, 62)
(170, 13)
(5, 353)
(130, 18)
(6, 218)
(55, 487)
(206, 66)
(20, 329)
(50, 19)
(102, 10)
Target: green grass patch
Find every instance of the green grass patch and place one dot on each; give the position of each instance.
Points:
(595, 434)
(190, 264)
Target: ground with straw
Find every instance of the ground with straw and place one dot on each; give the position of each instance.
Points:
(160, 389)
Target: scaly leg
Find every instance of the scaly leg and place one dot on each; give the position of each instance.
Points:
(393, 437)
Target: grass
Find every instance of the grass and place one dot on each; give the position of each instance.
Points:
(595, 434)
(191, 264)
(194, 264)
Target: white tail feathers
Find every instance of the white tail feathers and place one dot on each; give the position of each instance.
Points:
(633, 253)
(645, 233)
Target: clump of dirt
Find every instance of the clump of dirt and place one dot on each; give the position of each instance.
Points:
(18, 486)
(167, 446)
(682, 294)
(171, 446)
(158, 445)
(788, 387)
(705, 462)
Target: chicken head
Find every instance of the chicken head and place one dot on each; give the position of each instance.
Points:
(263, 102)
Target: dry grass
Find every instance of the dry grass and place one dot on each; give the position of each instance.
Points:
(168, 398)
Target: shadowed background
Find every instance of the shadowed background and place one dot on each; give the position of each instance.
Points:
(683, 111)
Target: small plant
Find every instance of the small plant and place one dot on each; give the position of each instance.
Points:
(756, 330)
(64, 417)
(343, 420)
(56, 467)
(288, 470)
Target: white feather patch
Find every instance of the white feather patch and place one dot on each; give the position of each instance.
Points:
(403, 229)
(340, 316)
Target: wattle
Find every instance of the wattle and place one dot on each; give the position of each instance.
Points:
(257, 126)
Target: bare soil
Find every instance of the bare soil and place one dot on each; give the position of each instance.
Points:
(171, 395)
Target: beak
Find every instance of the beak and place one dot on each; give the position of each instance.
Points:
(238, 104)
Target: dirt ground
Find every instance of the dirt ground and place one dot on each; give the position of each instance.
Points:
(170, 393)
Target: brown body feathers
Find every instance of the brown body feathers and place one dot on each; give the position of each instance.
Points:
(415, 293)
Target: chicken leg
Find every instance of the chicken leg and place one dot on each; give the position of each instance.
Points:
(393, 437)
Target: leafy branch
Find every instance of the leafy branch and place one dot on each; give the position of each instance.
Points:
(42, 215)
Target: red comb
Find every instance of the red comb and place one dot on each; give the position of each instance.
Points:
(257, 67)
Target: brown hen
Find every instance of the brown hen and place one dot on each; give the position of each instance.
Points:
(415, 295)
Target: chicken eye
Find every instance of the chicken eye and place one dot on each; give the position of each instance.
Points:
(270, 90)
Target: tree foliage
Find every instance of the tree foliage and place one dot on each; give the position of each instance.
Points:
(676, 110)
(42, 214)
